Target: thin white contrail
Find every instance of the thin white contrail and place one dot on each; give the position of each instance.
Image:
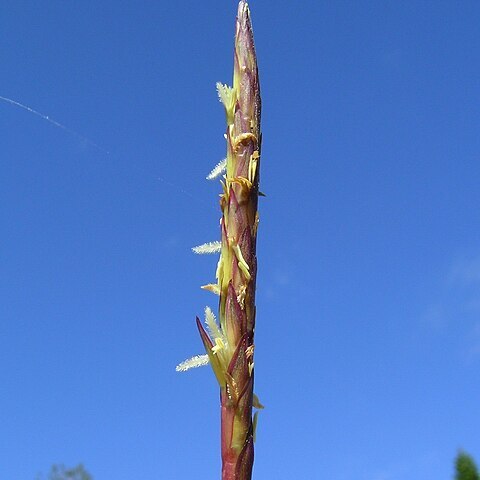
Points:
(85, 139)
(53, 122)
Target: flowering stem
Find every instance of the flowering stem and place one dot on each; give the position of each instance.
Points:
(238, 263)
(229, 344)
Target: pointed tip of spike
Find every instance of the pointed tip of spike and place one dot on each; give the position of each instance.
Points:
(242, 5)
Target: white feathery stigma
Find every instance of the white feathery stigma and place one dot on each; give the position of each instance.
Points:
(219, 168)
(227, 96)
(213, 326)
(194, 362)
(209, 247)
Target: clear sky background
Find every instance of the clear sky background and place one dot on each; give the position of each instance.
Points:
(368, 328)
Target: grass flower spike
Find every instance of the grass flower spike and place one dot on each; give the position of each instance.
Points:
(229, 343)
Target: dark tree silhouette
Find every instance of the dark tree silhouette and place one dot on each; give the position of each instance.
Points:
(465, 468)
(60, 472)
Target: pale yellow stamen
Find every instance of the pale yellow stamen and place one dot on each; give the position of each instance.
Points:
(219, 345)
(241, 296)
(252, 166)
(244, 182)
(244, 138)
(211, 287)
(242, 264)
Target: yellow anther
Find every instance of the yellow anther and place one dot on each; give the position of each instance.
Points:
(219, 345)
(242, 264)
(242, 181)
(252, 165)
(211, 287)
(241, 296)
(244, 138)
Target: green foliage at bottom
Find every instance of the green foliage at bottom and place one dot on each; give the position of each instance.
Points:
(60, 472)
(465, 468)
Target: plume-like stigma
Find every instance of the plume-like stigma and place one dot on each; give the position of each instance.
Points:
(210, 247)
(219, 168)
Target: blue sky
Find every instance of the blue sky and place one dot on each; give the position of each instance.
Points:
(368, 328)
